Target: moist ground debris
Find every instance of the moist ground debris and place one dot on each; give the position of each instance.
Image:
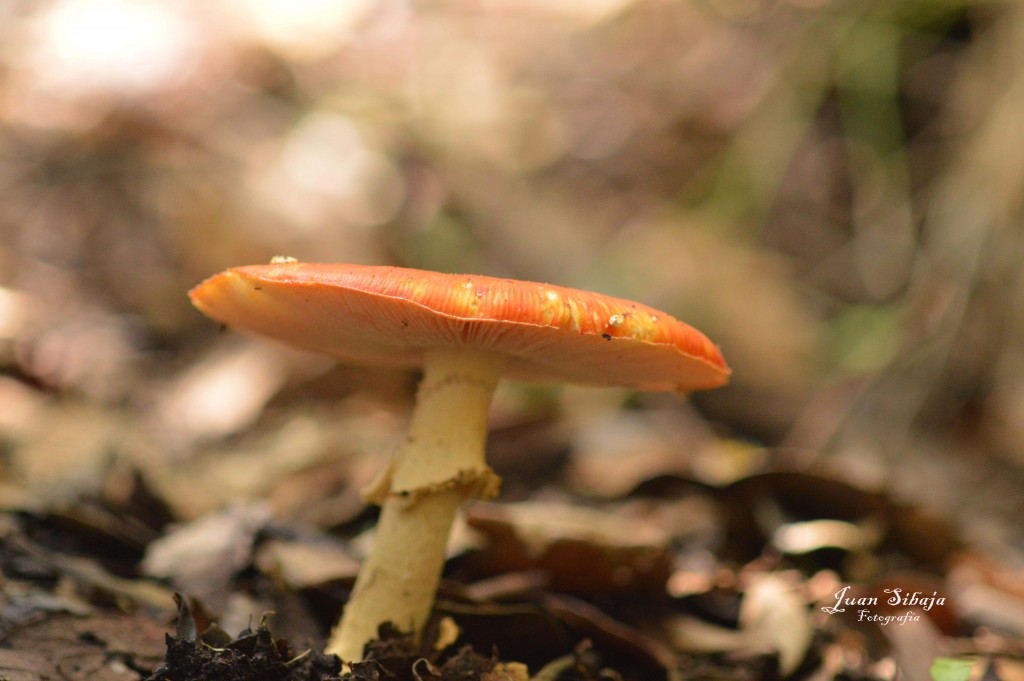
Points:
(253, 655)
(395, 655)
(256, 655)
(390, 656)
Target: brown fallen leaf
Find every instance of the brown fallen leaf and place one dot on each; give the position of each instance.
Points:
(300, 564)
(109, 646)
(580, 550)
(202, 557)
(226, 390)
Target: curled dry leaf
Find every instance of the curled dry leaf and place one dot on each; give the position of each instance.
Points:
(775, 615)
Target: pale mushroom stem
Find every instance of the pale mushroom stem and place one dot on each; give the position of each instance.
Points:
(439, 465)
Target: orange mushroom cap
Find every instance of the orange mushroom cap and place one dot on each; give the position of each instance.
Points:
(392, 316)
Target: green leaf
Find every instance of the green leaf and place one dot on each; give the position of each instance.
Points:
(951, 669)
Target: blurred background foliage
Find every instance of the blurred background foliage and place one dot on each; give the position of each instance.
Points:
(831, 189)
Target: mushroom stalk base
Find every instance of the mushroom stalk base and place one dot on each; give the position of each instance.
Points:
(438, 466)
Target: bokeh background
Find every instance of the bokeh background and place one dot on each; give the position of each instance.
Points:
(830, 189)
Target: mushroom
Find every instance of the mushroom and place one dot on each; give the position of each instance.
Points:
(464, 332)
